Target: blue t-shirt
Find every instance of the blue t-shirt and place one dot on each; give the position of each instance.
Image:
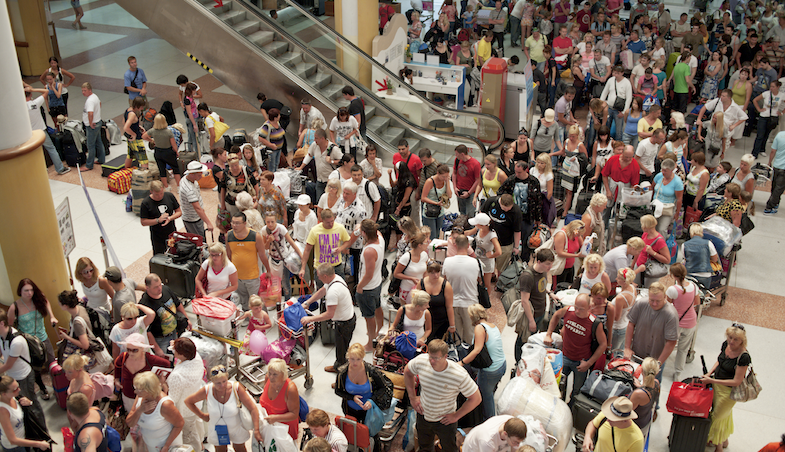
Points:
(137, 78)
(779, 145)
(667, 193)
(363, 390)
(637, 46)
(631, 128)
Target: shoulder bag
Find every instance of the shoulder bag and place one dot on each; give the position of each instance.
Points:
(483, 359)
(482, 292)
(182, 320)
(655, 268)
(433, 210)
(395, 283)
(558, 262)
(219, 127)
(620, 102)
(749, 387)
(245, 415)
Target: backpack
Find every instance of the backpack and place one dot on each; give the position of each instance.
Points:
(99, 324)
(168, 111)
(36, 348)
(147, 119)
(384, 198)
(594, 342)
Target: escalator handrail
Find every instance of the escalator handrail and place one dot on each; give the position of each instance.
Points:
(412, 92)
(367, 93)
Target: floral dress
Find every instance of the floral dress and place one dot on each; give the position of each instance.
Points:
(527, 19)
(711, 83)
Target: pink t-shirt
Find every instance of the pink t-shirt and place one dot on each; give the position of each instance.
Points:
(660, 244)
(449, 10)
(683, 302)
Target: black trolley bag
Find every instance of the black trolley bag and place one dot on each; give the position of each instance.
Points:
(180, 277)
(689, 434)
(584, 409)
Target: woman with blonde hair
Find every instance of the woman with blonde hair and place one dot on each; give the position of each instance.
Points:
(543, 171)
(487, 335)
(412, 265)
(246, 204)
(165, 148)
(159, 422)
(622, 304)
(96, 288)
(594, 223)
(220, 272)
(717, 140)
(727, 373)
(568, 246)
(415, 317)
(573, 147)
(491, 177)
(409, 230)
(131, 323)
(223, 412)
(330, 198)
(281, 398)
(358, 383)
(645, 397)
(593, 273)
(135, 360)
(656, 248)
(440, 301)
(685, 296)
(94, 386)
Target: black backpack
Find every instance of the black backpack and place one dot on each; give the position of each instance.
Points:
(384, 198)
(99, 324)
(36, 348)
(168, 111)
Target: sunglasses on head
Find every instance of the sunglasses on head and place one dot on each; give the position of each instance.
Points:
(738, 325)
(220, 370)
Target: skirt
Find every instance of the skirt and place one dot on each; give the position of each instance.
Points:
(721, 414)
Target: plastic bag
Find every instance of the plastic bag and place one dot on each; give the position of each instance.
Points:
(556, 359)
(211, 351)
(292, 316)
(723, 230)
(531, 362)
(548, 382)
(411, 431)
(279, 349)
(536, 436)
(276, 439)
(539, 339)
(214, 307)
(522, 397)
(374, 419)
(635, 198)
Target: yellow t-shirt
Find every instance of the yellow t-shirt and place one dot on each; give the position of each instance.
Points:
(244, 254)
(644, 126)
(484, 50)
(628, 439)
(325, 241)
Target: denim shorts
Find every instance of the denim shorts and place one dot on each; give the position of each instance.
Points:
(369, 301)
(75, 3)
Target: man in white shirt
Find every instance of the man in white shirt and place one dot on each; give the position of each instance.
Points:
(617, 87)
(647, 152)
(91, 119)
(735, 116)
(319, 423)
(340, 311)
(462, 272)
(515, 23)
(37, 123)
(350, 212)
(194, 216)
(498, 433)
(308, 114)
(693, 63)
(679, 29)
(599, 67)
(325, 154)
(369, 282)
(365, 188)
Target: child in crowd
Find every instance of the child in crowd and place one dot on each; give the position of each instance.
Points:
(720, 177)
(258, 320)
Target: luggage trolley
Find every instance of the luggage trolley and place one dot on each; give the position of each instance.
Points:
(722, 288)
(706, 298)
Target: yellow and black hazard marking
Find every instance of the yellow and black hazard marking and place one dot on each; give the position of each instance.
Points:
(199, 62)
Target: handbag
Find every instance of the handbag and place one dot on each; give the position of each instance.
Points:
(220, 128)
(655, 268)
(482, 292)
(558, 262)
(691, 216)
(245, 414)
(691, 399)
(749, 387)
(620, 102)
(433, 210)
(483, 360)
(774, 120)
(115, 418)
(572, 166)
(395, 283)
(746, 224)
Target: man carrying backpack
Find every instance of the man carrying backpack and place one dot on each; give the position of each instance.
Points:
(584, 340)
(90, 424)
(16, 356)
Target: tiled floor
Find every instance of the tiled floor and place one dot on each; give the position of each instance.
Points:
(99, 54)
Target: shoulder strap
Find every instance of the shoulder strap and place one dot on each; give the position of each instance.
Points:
(237, 395)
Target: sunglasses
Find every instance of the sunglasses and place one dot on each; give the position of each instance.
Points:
(132, 350)
(738, 325)
(87, 271)
(220, 370)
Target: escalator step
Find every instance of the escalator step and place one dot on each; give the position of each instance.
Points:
(261, 38)
(414, 144)
(276, 48)
(333, 91)
(393, 135)
(232, 17)
(378, 124)
(319, 80)
(247, 26)
(370, 111)
(291, 59)
(305, 70)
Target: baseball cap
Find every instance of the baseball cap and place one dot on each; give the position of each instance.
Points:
(480, 219)
(303, 200)
(113, 274)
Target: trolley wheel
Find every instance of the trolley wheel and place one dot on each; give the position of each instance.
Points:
(308, 383)
(690, 356)
(722, 299)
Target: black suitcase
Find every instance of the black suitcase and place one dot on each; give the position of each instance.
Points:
(688, 434)
(584, 410)
(105, 139)
(71, 153)
(181, 278)
(326, 327)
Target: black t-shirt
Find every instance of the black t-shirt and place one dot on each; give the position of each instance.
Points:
(356, 106)
(164, 308)
(506, 224)
(726, 369)
(747, 53)
(271, 103)
(152, 209)
(536, 285)
(539, 78)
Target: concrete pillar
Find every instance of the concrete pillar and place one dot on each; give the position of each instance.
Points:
(357, 21)
(29, 237)
(28, 22)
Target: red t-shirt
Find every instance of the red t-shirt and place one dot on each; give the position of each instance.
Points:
(127, 378)
(660, 244)
(561, 43)
(627, 175)
(577, 335)
(415, 165)
(385, 13)
(584, 20)
(466, 173)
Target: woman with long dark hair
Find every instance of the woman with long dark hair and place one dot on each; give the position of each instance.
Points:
(402, 189)
(28, 313)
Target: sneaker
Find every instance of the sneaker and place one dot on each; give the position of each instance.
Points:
(82, 27)
(64, 171)
(762, 154)
(73, 25)
(769, 211)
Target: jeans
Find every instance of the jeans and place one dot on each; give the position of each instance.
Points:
(465, 206)
(515, 30)
(275, 159)
(552, 92)
(193, 144)
(435, 224)
(95, 147)
(343, 337)
(617, 343)
(631, 139)
(499, 38)
(163, 342)
(519, 341)
(571, 366)
(427, 431)
(777, 188)
(615, 117)
(682, 347)
(541, 66)
(761, 137)
(320, 189)
(487, 381)
(591, 132)
(52, 151)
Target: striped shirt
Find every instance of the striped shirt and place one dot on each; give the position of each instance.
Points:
(439, 390)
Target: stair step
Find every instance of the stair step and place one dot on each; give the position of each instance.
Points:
(370, 112)
(262, 37)
(232, 17)
(414, 144)
(247, 26)
(291, 59)
(227, 6)
(276, 48)
(320, 80)
(305, 70)
(377, 124)
(393, 135)
(333, 91)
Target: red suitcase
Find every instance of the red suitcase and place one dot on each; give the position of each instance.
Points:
(59, 382)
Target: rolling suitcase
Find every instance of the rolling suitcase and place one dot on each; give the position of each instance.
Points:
(688, 434)
(59, 383)
(584, 409)
(71, 153)
(181, 278)
(326, 327)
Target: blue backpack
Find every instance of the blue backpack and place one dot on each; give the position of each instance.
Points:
(292, 316)
(303, 409)
(113, 441)
(406, 344)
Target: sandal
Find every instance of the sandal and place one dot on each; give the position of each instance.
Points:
(45, 396)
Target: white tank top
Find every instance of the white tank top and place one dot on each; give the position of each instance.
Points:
(415, 326)
(97, 298)
(17, 423)
(222, 414)
(156, 429)
(376, 279)
(621, 324)
(587, 284)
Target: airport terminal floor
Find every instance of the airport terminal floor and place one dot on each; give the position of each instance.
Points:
(98, 54)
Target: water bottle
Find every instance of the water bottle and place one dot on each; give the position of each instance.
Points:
(129, 202)
(587, 243)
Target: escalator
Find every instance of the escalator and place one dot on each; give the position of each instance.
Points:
(297, 57)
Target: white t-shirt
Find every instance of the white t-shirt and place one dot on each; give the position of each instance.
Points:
(462, 272)
(414, 269)
(119, 334)
(368, 169)
(362, 195)
(542, 178)
(218, 281)
(658, 54)
(646, 153)
(16, 348)
(336, 438)
(300, 229)
(279, 247)
(92, 104)
(693, 64)
(34, 110)
(338, 295)
(209, 121)
(485, 437)
(323, 202)
(768, 106)
(341, 129)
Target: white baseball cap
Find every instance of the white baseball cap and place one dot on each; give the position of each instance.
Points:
(303, 200)
(480, 219)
